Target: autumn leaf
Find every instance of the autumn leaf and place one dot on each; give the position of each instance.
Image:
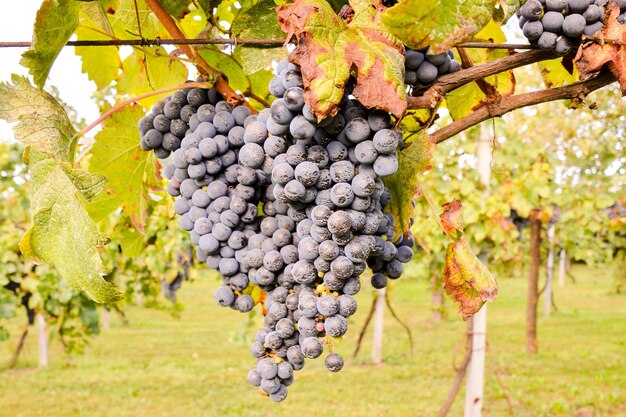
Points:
(329, 48)
(462, 101)
(62, 234)
(595, 55)
(440, 24)
(465, 278)
(452, 219)
(44, 125)
(404, 184)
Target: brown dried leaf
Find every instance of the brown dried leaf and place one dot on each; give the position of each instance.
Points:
(452, 219)
(596, 55)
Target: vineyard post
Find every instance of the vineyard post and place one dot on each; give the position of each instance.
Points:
(436, 297)
(42, 337)
(533, 282)
(106, 318)
(474, 388)
(379, 318)
(547, 297)
(562, 267)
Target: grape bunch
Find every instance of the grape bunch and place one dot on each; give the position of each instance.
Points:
(290, 205)
(558, 25)
(422, 68)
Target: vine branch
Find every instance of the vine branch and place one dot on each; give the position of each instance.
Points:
(446, 83)
(507, 104)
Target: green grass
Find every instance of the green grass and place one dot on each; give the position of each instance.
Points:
(196, 366)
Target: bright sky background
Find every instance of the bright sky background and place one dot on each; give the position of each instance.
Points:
(16, 24)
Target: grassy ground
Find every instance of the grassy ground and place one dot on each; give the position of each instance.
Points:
(196, 366)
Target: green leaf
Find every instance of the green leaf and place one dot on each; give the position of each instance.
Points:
(440, 24)
(132, 172)
(175, 7)
(54, 24)
(506, 9)
(558, 72)
(465, 278)
(207, 5)
(101, 64)
(131, 241)
(226, 64)
(193, 23)
(404, 184)
(43, 123)
(416, 120)
(259, 21)
(464, 100)
(88, 183)
(259, 82)
(124, 20)
(328, 49)
(62, 234)
(151, 71)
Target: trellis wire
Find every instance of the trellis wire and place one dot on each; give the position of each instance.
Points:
(229, 41)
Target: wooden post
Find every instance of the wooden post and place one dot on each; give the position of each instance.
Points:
(562, 267)
(533, 283)
(379, 317)
(436, 298)
(474, 388)
(106, 318)
(547, 294)
(139, 295)
(42, 337)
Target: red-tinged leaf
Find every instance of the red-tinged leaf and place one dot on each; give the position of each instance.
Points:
(595, 56)
(329, 48)
(466, 279)
(452, 219)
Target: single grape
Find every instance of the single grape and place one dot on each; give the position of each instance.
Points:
(427, 73)
(336, 326)
(224, 296)
(312, 347)
(574, 25)
(333, 363)
(327, 305)
(413, 59)
(379, 280)
(357, 130)
(533, 30)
